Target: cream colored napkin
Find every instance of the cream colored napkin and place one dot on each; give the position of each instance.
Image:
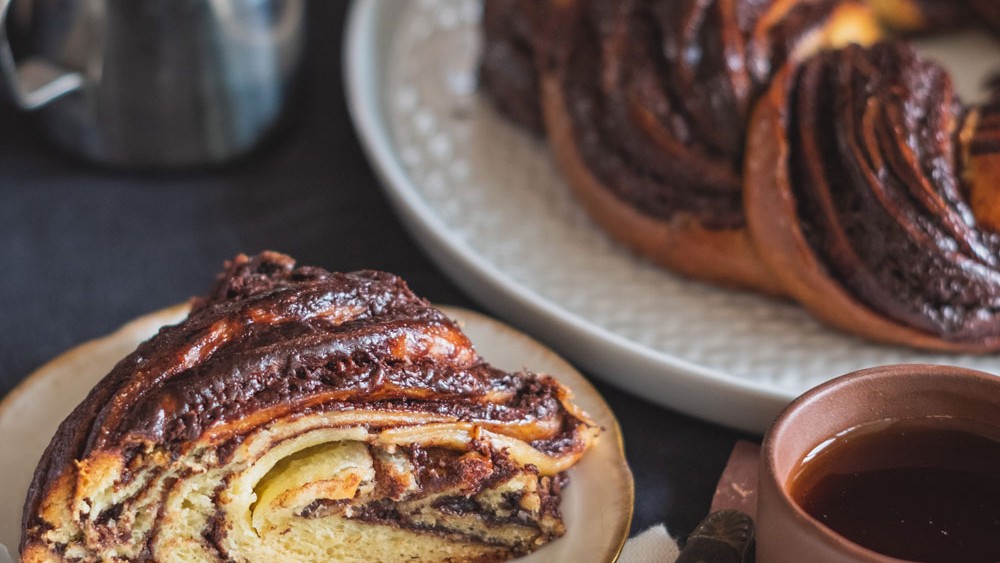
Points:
(652, 546)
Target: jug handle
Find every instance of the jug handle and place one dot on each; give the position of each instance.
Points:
(35, 82)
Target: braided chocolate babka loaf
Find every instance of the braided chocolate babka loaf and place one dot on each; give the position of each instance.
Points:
(868, 188)
(872, 193)
(646, 104)
(302, 415)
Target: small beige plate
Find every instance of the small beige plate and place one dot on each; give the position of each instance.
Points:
(597, 505)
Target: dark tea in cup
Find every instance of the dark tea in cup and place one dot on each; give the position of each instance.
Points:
(920, 489)
(884, 465)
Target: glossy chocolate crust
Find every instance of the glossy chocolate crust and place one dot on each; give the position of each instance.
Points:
(659, 93)
(870, 202)
(273, 340)
(508, 73)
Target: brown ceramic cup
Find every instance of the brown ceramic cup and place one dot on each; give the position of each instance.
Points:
(786, 533)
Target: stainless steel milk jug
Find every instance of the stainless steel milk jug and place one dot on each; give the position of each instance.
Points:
(159, 83)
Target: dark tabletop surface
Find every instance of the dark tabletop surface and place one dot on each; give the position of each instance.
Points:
(84, 249)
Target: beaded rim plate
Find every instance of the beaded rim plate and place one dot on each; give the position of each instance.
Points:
(597, 506)
(487, 204)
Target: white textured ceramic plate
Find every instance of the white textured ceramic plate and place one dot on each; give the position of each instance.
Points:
(597, 505)
(485, 200)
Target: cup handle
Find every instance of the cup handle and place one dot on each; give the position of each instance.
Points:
(35, 82)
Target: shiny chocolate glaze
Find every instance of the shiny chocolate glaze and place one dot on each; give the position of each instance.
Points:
(271, 340)
(659, 93)
(874, 168)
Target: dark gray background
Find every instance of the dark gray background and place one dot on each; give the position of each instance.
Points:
(84, 249)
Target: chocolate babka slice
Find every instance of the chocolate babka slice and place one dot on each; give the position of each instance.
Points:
(303, 415)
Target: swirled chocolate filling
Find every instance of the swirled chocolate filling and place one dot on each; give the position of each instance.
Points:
(659, 94)
(874, 166)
